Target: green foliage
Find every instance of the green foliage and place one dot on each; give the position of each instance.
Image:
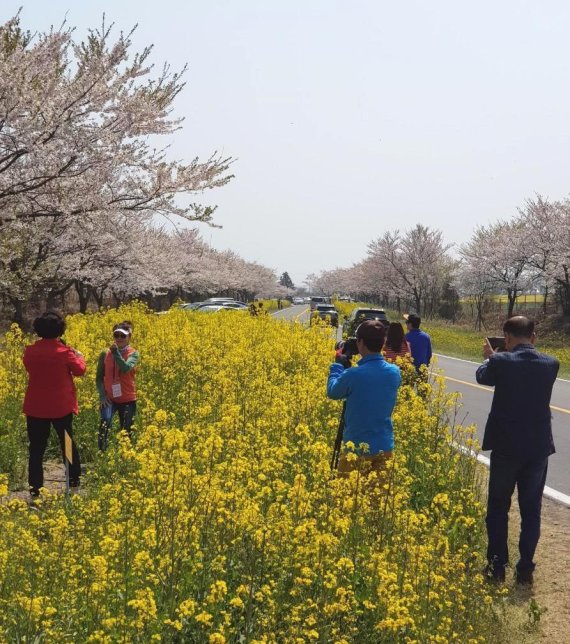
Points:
(286, 281)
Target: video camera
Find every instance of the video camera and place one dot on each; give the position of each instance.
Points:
(348, 347)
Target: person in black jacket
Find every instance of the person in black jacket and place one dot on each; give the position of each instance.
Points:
(519, 434)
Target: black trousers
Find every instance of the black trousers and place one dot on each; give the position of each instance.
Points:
(38, 435)
(529, 476)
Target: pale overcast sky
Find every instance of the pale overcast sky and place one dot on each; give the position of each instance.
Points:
(348, 119)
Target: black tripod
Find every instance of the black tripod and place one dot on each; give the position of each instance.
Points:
(338, 439)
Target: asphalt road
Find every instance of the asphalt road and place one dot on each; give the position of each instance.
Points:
(476, 402)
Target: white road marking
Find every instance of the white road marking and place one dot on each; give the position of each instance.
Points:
(549, 492)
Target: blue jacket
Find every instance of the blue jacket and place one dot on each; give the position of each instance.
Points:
(520, 422)
(370, 390)
(420, 346)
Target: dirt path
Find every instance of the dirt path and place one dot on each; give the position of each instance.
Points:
(54, 480)
(552, 576)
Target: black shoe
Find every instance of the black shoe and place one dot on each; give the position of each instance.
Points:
(74, 483)
(34, 492)
(524, 577)
(495, 574)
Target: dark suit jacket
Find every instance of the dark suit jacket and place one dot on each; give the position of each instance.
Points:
(520, 422)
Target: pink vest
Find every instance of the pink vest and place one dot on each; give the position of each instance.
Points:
(113, 375)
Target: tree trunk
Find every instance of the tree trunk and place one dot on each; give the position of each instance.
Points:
(18, 316)
(564, 294)
(563, 288)
(51, 300)
(545, 299)
(83, 295)
(418, 302)
(98, 296)
(480, 301)
(512, 295)
(53, 296)
(172, 295)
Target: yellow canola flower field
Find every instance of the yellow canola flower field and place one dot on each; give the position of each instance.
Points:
(222, 523)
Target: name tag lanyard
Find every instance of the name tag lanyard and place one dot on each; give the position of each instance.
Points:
(116, 385)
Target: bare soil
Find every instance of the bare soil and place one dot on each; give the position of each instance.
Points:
(54, 480)
(542, 612)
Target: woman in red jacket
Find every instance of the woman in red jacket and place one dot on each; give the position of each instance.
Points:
(50, 397)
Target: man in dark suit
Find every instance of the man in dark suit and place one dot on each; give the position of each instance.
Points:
(519, 433)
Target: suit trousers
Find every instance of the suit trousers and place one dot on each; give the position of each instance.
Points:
(38, 435)
(529, 476)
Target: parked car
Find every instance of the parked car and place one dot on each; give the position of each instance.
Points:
(192, 306)
(210, 308)
(298, 300)
(237, 306)
(219, 300)
(360, 315)
(325, 312)
(315, 300)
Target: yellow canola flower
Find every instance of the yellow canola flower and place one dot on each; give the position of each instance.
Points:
(221, 521)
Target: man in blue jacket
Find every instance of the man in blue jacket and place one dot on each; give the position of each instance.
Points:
(370, 391)
(419, 341)
(519, 434)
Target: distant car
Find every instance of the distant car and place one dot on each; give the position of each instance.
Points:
(315, 300)
(360, 315)
(237, 306)
(298, 300)
(210, 308)
(325, 312)
(225, 305)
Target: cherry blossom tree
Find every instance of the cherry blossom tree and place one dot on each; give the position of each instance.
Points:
(76, 123)
(474, 284)
(496, 255)
(547, 245)
(412, 266)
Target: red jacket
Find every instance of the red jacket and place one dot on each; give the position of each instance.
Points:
(51, 366)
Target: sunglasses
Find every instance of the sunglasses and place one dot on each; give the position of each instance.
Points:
(120, 336)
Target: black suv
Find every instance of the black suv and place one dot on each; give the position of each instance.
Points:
(325, 312)
(360, 315)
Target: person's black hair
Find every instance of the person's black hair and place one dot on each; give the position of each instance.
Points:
(519, 326)
(395, 336)
(49, 325)
(414, 320)
(372, 333)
